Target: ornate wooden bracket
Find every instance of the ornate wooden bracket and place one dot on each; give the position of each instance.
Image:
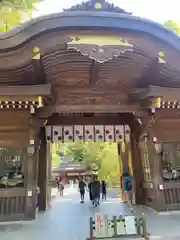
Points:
(99, 48)
(150, 97)
(146, 125)
(94, 74)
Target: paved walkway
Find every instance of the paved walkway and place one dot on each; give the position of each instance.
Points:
(68, 220)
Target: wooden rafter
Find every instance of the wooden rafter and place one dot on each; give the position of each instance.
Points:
(94, 73)
(150, 74)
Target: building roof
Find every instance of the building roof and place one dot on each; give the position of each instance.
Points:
(78, 20)
(71, 167)
(51, 33)
(70, 67)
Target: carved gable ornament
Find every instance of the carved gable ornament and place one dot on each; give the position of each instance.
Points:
(100, 48)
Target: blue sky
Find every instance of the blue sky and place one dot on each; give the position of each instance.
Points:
(156, 10)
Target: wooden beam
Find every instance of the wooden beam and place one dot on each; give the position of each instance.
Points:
(95, 108)
(33, 90)
(166, 93)
(138, 94)
(90, 89)
(168, 113)
(44, 113)
(161, 113)
(94, 74)
(15, 128)
(107, 119)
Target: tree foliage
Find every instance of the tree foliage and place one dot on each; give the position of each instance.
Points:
(14, 12)
(171, 25)
(100, 157)
(56, 158)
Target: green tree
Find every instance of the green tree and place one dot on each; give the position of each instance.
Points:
(171, 25)
(76, 150)
(99, 157)
(56, 158)
(14, 12)
(110, 165)
(93, 154)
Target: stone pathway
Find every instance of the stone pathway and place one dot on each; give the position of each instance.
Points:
(68, 219)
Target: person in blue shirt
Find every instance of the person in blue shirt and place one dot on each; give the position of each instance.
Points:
(128, 188)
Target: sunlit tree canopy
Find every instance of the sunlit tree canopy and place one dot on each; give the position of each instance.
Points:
(14, 12)
(101, 158)
(171, 25)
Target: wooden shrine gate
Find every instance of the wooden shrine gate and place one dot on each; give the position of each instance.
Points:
(94, 64)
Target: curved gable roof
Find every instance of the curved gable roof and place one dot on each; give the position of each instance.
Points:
(77, 20)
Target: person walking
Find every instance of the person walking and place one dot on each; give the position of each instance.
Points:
(57, 183)
(90, 192)
(61, 189)
(103, 189)
(128, 187)
(82, 186)
(95, 191)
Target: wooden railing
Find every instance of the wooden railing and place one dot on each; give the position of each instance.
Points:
(12, 204)
(172, 194)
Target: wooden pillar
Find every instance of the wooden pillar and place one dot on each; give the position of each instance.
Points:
(157, 180)
(120, 170)
(31, 174)
(123, 155)
(137, 160)
(137, 167)
(42, 171)
(154, 161)
(49, 171)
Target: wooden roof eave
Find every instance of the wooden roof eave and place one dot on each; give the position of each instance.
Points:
(88, 20)
(166, 93)
(43, 90)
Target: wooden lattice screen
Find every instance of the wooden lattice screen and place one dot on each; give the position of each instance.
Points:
(12, 183)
